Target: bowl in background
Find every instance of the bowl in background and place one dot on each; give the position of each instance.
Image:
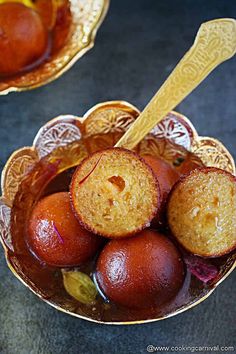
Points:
(87, 16)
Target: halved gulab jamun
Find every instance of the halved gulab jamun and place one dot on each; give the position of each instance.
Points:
(142, 271)
(115, 193)
(23, 37)
(201, 212)
(56, 237)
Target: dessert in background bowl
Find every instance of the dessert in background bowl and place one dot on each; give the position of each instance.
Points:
(96, 288)
(41, 39)
(24, 40)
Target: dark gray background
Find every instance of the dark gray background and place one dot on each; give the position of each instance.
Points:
(138, 45)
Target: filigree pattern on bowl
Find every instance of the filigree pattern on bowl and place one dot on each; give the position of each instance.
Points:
(87, 16)
(69, 132)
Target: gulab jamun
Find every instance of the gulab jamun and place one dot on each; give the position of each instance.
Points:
(115, 193)
(23, 37)
(142, 271)
(189, 163)
(201, 212)
(167, 176)
(56, 237)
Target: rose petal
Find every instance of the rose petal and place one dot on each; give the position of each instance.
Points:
(201, 268)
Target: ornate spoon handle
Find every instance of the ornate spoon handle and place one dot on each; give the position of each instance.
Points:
(215, 42)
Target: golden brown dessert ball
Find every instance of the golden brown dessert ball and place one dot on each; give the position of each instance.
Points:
(56, 237)
(202, 212)
(190, 163)
(62, 27)
(141, 271)
(115, 193)
(23, 37)
(167, 176)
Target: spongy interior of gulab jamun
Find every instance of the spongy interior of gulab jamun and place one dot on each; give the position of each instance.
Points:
(141, 271)
(55, 235)
(23, 37)
(202, 212)
(115, 193)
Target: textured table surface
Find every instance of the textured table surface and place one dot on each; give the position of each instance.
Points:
(138, 45)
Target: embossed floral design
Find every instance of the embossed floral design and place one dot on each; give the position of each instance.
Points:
(76, 152)
(158, 146)
(19, 168)
(5, 216)
(59, 134)
(173, 128)
(213, 153)
(109, 121)
(20, 163)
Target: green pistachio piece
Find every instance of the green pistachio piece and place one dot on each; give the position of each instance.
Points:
(80, 286)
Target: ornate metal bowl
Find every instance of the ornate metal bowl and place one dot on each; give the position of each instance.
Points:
(60, 142)
(87, 16)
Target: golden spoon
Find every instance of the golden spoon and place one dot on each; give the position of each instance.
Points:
(215, 42)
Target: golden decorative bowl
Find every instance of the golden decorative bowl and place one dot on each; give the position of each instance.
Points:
(62, 143)
(87, 16)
